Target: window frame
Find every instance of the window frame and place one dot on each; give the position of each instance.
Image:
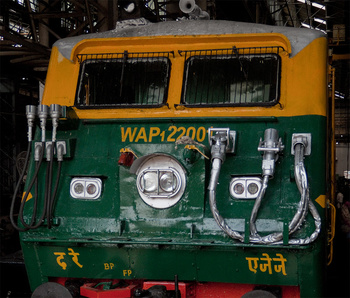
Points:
(259, 51)
(105, 57)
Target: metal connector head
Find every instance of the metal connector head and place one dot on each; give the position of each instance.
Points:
(43, 111)
(61, 150)
(38, 147)
(31, 114)
(55, 111)
(48, 150)
(304, 139)
(230, 136)
(271, 146)
(271, 143)
(42, 114)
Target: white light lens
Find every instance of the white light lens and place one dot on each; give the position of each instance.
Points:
(238, 188)
(168, 182)
(91, 189)
(79, 188)
(253, 188)
(150, 181)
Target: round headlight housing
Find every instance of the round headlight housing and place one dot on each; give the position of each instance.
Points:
(161, 181)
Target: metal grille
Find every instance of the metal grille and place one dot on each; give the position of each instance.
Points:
(123, 79)
(235, 76)
(112, 56)
(234, 51)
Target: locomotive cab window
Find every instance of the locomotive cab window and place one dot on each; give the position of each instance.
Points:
(123, 82)
(232, 79)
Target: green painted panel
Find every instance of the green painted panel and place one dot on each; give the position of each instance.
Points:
(256, 266)
(272, 266)
(120, 229)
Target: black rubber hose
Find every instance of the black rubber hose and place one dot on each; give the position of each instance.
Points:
(24, 200)
(48, 206)
(17, 188)
(53, 198)
(43, 214)
(35, 205)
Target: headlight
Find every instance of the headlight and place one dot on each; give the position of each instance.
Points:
(161, 181)
(149, 182)
(86, 188)
(245, 188)
(169, 181)
(157, 183)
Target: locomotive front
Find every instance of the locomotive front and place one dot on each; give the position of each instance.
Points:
(184, 158)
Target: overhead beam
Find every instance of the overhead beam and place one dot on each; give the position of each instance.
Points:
(26, 58)
(87, 7)
(32, 24)
(30, 45)
(340, 57)
(57, 15)
(15, 53)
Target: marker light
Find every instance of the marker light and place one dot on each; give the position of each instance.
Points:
(91, 189)
(78, 188)
(253, 188)
(86, 188)
(245, 188)
(238, 188)
(161, 181)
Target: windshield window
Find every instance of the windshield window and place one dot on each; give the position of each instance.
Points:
(231, 80)
(123, 82)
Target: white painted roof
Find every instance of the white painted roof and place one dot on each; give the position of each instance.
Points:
(298, 37)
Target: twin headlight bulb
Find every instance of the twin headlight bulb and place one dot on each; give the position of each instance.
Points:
(245, 188)
(86, 188)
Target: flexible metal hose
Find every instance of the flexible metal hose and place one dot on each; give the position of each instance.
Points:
(316, 232)
(254, 213)
(214, 177)
(303, 187)
(304, 203)
(295, 223)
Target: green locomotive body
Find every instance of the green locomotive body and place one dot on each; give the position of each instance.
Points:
(175, 171)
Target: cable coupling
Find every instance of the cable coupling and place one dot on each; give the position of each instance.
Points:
(270, 146)
(303, 139)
